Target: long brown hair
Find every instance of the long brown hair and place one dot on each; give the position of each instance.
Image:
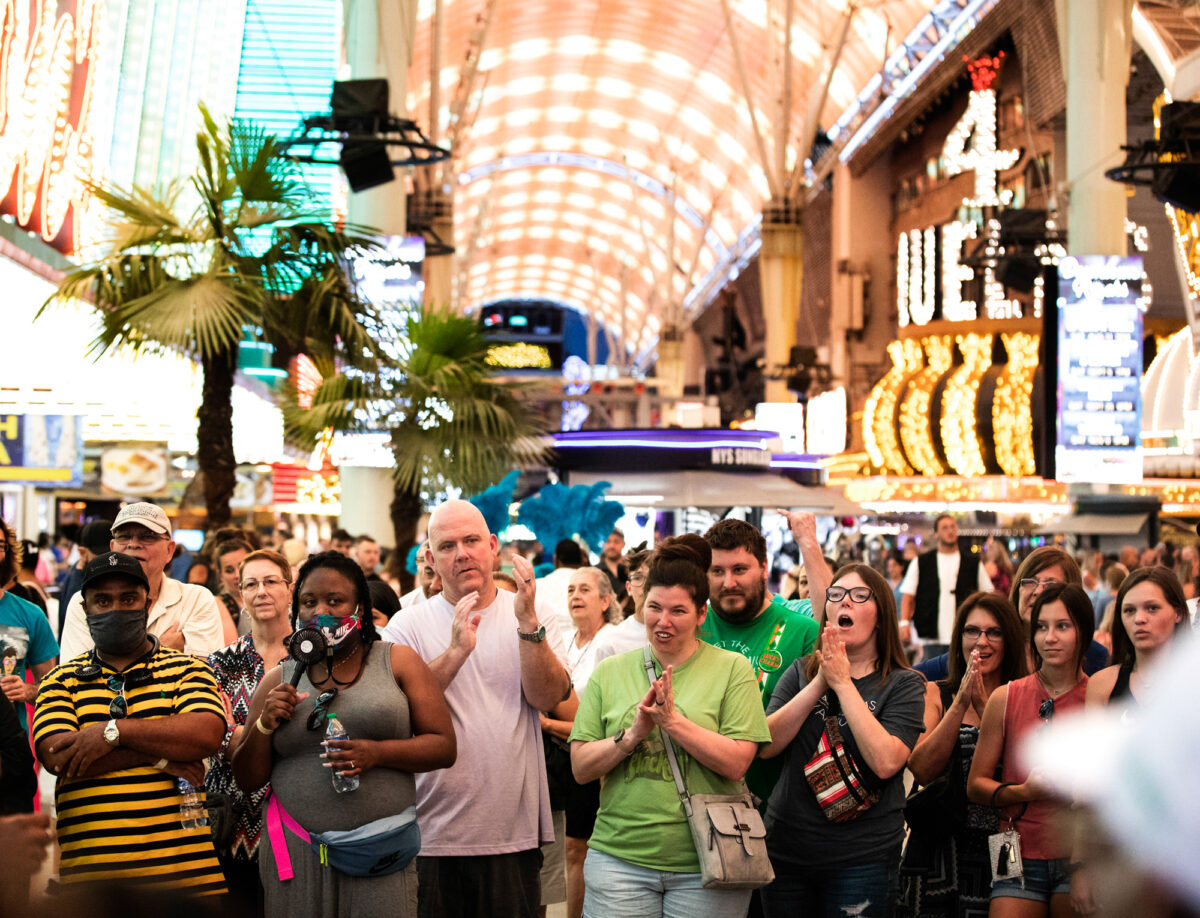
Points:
(889, 652)
(1012, 664)
(1167, 581)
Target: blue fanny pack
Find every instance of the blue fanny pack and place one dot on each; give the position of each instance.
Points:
(377, 849)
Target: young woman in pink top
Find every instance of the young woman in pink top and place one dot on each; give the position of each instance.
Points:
(1061, 625)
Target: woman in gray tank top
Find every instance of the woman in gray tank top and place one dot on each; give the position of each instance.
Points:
(394, 711)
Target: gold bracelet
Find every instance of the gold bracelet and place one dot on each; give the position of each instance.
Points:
(258, 725)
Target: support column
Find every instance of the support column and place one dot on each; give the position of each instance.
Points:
(1097, 35)
(379, 39)
(781, 271)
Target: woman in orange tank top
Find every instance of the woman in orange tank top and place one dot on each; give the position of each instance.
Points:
(1061, 625)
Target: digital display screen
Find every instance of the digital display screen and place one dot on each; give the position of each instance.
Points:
(1100, 307)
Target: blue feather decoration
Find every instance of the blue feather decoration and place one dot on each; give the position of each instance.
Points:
(557, 512)
(494, 502)
(410, 563)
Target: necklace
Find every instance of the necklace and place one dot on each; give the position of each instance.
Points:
(1050, 688)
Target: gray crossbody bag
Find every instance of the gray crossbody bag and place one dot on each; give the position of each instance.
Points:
(727, 829)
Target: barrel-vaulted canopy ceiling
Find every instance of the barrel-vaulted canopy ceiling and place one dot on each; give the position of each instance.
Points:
(605, 155)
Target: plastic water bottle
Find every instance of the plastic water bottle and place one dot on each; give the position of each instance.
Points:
(192, 814)
(335, 731)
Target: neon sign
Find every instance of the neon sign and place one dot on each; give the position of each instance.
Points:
(48, 68)
(970, 145)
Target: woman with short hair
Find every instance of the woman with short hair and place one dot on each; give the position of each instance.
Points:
(641, 858)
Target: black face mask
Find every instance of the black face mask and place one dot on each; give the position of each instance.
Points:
(119, 632)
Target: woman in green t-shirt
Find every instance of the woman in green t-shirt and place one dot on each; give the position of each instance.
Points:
(641, 860)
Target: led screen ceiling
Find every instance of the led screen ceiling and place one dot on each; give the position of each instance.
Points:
(580, 129)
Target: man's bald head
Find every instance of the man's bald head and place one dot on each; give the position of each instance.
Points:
(455, 512)
(462, 551)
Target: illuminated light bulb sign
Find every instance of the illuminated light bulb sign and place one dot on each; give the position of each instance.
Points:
(48, 62)
(879, 412)
(916, 432)
(1012, 414)
(971, 143)
(960, 437)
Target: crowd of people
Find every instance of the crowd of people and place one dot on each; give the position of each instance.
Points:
(285, 733)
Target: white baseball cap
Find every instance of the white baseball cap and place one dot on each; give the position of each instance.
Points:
(152, 516)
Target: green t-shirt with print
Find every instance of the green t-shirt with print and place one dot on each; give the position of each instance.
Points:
(785, 631)
(641, 819)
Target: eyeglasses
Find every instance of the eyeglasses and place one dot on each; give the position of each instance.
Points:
(268, 583)
(118, 707)
(857, 594)
(318, 713)
(637, 578)
(141, 538)
(973, 633)
(1046, 709)
(1030, 583)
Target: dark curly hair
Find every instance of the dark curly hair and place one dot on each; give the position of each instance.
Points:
(349, 569)
(730, 535)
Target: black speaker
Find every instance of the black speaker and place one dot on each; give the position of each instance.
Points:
(366, 164)
(1179, 122)
(1018, 272)
(1022, 227)
(359, 99)
(1178, 186)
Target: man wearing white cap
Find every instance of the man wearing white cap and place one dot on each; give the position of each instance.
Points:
(183, 616)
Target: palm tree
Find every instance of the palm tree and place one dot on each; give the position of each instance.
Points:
(451, 422)
(250, 253)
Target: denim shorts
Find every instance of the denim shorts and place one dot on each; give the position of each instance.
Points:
(1043, 879)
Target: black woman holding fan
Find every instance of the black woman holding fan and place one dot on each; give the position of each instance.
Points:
(397, 723)
(1037, 883)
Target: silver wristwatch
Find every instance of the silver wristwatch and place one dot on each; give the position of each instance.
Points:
(534, 637)
(112, 735)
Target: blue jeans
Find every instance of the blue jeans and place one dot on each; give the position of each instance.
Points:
(861, 891)
(618, 889)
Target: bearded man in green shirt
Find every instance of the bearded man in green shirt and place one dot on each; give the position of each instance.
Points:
(747, 618)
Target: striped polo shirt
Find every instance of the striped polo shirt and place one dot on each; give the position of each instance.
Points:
(124, 825)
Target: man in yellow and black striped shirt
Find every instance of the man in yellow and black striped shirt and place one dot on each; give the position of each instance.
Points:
(118, 725)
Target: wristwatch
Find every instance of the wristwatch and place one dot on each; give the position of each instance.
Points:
(617, 737)
(112, 735)
(534, 637)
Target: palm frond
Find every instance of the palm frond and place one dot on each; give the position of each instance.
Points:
(201, 316)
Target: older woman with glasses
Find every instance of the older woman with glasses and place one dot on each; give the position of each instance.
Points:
(855, 691)
(398, 723)
(265, 587)
(1061, 623)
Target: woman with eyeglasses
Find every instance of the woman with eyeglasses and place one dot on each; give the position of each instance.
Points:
(826, 863)
(946, 869)
(1061, 623)
(398, 723)
(1043, 568)
(265, 585)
